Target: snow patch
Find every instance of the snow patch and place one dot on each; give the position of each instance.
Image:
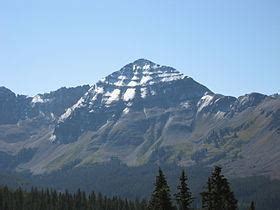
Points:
(144, 92)
(126, 110)
(135, 77)
(146, 66)
(204, 101)
(65, 115)
(169, 79)
(122, 77)
(38, 99)
(143, 75)
(219, 115)
(145, 79)
(52, 138)
(129, 94)
(96, 91)
(135, 67)
(99, 90)
(52, 116)
(132, 84)
(69, 111)
(153, 92)
(112, 96)
(119, 83)
(129, 104)
(186, 104)
(167, 76)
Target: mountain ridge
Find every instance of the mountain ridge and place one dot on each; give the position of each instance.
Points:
(144, 113)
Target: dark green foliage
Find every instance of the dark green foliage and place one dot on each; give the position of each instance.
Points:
(52, 200)
(252, 207)
(137, 182)
(183, 196)
(263, 190)
(218, 195)
(161, 199)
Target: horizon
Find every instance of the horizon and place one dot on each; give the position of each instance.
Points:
(230, 47)
(120, 69)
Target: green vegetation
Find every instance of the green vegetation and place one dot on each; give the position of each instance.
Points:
(54, 200)
(184, 197)
(217, 196)
(252, 207)
(161, 198)
(137, 182)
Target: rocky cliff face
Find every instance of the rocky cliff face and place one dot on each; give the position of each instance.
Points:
(12, 107)
(19, 107)
(58, 101)
(146, 113)
(136, 87)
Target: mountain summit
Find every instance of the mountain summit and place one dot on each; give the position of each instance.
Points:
(135, 81)
(136, 86)
(142, 73)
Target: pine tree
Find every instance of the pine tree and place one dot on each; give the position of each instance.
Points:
(183, 196)
(252, 206)
(230, 202)
(218, 195)
(92, 201)
(1, 199)
(18, 196)
(161, 199)
(207, 196)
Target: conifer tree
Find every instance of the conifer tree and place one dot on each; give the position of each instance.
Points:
(1, 199)
(230, 202)
(218, 195)
(161, 199)
(252, 206)
(207, 196)
(18, 195)
(183, 196)
(92, 201)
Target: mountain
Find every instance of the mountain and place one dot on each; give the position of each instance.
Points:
(58, 101)
(25, 120)
(142, 114)
(13, 107)
(136, 87)
(20, 107)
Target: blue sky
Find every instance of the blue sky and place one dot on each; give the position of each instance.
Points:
(231, 46)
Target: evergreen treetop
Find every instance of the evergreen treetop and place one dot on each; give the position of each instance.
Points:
(218, 195)
(252, 206)
(161, 199)
(183, 196)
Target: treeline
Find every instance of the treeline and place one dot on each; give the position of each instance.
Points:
(47, 199)
(217, 195)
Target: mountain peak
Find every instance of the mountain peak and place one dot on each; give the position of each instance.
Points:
(142, 62)
(5, 91)
(141, 72)
(141, 65)
(138, 80)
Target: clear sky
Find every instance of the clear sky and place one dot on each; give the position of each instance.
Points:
(231, 46)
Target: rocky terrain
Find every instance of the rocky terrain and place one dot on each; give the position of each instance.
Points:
(144, 113)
